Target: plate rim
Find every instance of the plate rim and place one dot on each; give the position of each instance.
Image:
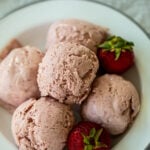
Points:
(90, 1)
(94, 1)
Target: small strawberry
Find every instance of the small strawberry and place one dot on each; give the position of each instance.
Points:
(116, 55)
(88, 136)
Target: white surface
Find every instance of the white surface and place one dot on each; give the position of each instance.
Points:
(32, 28)
(139, 10)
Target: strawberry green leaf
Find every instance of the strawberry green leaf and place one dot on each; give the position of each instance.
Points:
(88, 147)
(98, 134)
(94, 135)
(129, 43)
(100, 145)
(127, 47)
(117, 53)
(105, 46)
(119, 44)
(92, 132)
(85, 147)
(86, 140)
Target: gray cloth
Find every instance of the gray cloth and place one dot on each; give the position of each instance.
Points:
(139, 10)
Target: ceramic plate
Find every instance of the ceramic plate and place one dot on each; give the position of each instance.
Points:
(30, 24)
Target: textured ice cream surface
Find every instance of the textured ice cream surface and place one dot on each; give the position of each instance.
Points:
(67, 72)
(113, 102)
(18, 75)
(42, 124)
(77, 31)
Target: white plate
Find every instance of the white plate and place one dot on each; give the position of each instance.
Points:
(30, 25)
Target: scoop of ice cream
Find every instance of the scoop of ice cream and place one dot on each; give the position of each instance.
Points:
(18, 75)
(77, 31)
(113, 102)
(67, 72)
(42, 124)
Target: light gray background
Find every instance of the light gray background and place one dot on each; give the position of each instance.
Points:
(139, 10)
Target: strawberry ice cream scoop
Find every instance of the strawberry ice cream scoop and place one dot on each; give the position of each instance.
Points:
(67, 72)
(77, 31)
(113, 103)
(18, 75)
(42, 124)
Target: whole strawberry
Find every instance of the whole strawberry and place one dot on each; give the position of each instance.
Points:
(116, 55)
(88, 136)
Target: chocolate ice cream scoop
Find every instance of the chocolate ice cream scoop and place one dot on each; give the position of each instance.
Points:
(18, 75)
(77, 31)
(67, 72)
(42, 124)
(113, 103)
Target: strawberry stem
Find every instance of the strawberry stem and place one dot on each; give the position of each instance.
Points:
(117, 45)
(92, 132)
(98, 134)
(92, 140)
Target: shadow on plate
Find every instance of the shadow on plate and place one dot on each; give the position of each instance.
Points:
(134, 76)
(5, 124)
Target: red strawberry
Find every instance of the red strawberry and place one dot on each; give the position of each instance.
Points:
(88, 136)
(116, 55)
